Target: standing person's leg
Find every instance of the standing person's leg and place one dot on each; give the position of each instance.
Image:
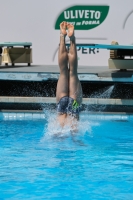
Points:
(62, 89)
(75, 89)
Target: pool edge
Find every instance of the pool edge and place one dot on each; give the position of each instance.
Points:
(85, 115)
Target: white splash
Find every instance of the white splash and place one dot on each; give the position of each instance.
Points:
(106, 94)
(53, 128)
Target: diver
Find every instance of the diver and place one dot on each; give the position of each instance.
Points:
(69, 90)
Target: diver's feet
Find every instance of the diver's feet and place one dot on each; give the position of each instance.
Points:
(63, 27)
(70, 33)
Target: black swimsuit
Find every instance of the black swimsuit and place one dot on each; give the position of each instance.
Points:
(68, 105)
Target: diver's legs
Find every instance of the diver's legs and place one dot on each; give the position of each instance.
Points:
(75, 89)
(62, 85)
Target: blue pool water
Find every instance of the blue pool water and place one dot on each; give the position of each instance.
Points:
(96, 163)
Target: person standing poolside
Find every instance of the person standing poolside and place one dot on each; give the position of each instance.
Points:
(69, 90)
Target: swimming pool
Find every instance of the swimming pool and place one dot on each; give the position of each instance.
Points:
(95, 163)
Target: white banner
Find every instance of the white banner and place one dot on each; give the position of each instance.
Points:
(96, 21)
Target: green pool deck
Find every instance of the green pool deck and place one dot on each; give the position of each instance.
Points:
(50, 72)
(52, 100)
(15, 44)
(104, 46)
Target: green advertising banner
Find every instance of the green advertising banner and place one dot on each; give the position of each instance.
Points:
(83, 17)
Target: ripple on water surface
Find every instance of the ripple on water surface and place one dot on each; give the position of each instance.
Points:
(95, 163)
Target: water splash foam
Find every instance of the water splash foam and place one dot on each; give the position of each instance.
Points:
(103, 95)
(53, 129)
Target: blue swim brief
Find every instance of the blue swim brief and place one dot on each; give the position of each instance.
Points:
(68, 105)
